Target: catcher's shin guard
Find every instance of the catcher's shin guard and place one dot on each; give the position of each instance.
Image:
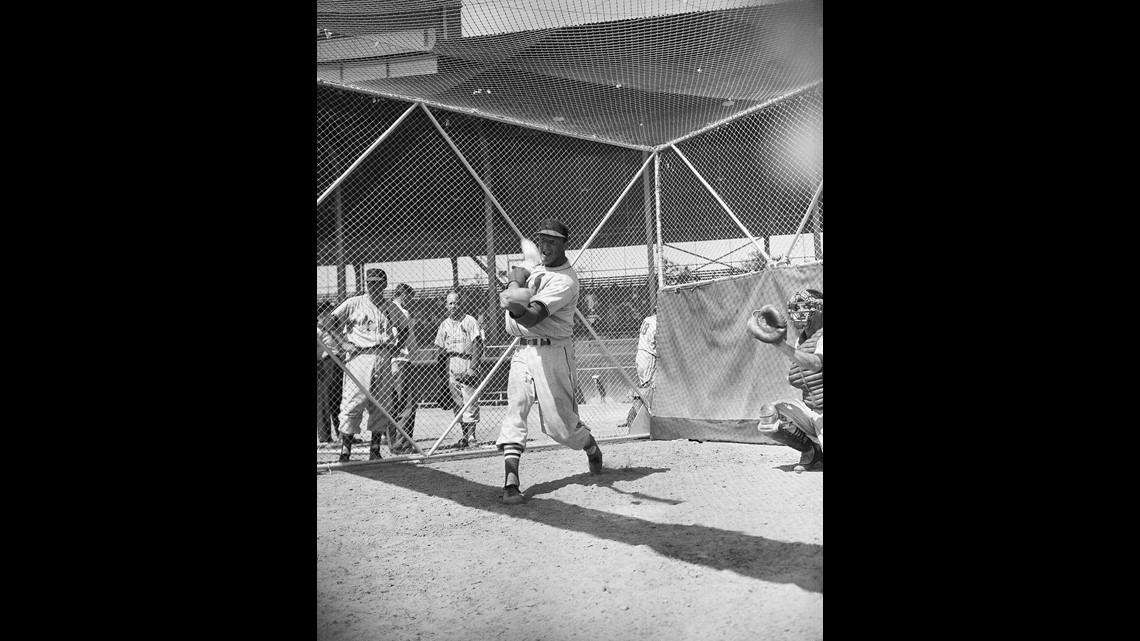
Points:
(791, 436)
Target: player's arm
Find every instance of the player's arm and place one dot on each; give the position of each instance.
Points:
(333, 324)
(525, 312)
(400, 330)
(811, 362)
(399, 337)
(475, 349)
(329, 322)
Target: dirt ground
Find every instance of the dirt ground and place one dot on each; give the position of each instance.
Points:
(677, 540)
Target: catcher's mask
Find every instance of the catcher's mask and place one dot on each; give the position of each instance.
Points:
(803, 307)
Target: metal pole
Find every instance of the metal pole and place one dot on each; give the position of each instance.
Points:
(364, 155)
(341, 273)
(723, 204)
(368, 395)
(814, 200)
(491, 303)
(647, 210)
(478, 391)
(657, 205)
(470, 169)
(612, 209)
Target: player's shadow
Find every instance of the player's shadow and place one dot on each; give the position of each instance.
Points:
(605, 480)
(746, 554)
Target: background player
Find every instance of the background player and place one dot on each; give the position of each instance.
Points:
(372, 331)
(460, 341)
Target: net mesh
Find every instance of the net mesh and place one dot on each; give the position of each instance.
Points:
(420, 175)
(632, 73)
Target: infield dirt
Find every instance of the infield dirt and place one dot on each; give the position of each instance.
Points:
(677, 540)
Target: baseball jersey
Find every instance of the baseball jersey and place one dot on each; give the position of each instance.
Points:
(647, 350)
(458, 336)
(557, 288)
(365, 323)
(409, 347)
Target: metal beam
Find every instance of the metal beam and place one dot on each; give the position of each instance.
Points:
(723, 204)
(364, 155)
(814, 200)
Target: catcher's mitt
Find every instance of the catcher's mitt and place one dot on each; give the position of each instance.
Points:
(768, 324)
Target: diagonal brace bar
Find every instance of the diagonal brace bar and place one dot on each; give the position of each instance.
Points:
(364, 155)
(807, 214)
(479, 390)
(368, 394)
(471, 170)
(632, 182)
(720, 201)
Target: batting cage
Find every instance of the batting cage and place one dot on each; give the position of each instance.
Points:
(680, 143)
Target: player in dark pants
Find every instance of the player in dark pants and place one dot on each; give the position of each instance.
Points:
(795, 423)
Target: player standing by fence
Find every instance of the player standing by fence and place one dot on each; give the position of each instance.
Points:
(460, 342)
(373, 330)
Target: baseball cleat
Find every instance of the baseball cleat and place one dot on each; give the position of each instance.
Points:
(809, 459)
(511, 495)
(595, 461)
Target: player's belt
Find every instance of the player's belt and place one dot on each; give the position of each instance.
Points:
(534, 341)
(459, 355)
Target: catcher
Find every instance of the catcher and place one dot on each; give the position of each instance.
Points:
(797, 424)
(460, 345)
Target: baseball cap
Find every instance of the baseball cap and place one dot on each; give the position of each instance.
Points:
(375, 274)
(552, 227)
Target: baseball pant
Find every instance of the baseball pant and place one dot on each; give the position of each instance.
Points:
(544, 374)
(809, 421)
(459, 394)
(372, 369)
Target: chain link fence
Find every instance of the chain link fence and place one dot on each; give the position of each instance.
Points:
(438, 199)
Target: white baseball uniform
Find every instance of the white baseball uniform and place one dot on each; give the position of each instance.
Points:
(543, 367)
(455, 337)
(369, 328)
(647, 351)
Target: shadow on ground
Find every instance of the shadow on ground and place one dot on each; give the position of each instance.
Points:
(748, 555)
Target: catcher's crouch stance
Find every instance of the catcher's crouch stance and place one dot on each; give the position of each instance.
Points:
(797, 424)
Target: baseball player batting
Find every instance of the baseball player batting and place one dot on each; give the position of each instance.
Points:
(540, 307)
(797, 424)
